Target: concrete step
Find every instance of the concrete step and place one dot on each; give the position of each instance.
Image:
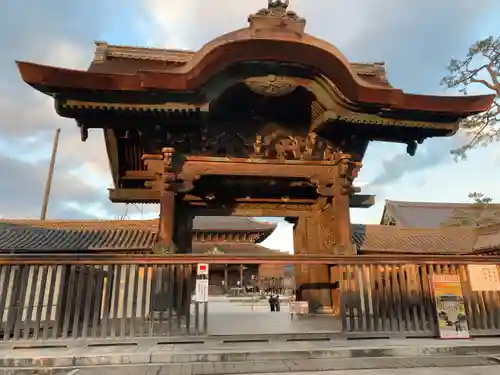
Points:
(264, 367)
(288, 354)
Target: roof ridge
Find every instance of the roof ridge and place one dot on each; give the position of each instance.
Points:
(181, 56)
(142, 48)
(437, 204)
(416, 230)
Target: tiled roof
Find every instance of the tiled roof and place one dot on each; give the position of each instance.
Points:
(140, 235)
(391, 239)
(235, 223)
(233, 248)
(162, 58)
(434, 215)
(488, 238)
(200, 223)
(42, 239)
(61, 235)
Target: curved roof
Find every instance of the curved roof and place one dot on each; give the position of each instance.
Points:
(438, 214)
(275, 35)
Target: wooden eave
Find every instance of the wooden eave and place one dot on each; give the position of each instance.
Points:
(132, 107)
(81, 109)
(360, 118)
(52, 80)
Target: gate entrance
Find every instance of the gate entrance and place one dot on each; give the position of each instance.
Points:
(263, 121)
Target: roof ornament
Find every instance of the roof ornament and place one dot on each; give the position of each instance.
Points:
(277, 10)
(278, 5)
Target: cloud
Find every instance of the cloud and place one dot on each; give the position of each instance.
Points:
(433, 152)
(61, 34)
(22, 186)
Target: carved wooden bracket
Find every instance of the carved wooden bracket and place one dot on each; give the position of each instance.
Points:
(271, 85)
(84, 131)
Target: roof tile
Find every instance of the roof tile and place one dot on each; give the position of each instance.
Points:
(391, 239)
(140, 235)
(434, 215)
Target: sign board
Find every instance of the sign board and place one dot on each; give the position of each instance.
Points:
(201, 294)
(299, 308)
(202, 269)
(450, 307)
(484, 277)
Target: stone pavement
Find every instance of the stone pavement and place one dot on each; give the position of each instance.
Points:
(483, 370)
(243, 318)
(351, 367)
(220, 358)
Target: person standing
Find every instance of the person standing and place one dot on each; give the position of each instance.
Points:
(272, 304)
(277, 302)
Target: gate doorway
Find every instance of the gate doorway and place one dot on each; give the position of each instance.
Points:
(262, 305)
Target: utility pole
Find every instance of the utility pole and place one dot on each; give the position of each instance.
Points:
(50, 176)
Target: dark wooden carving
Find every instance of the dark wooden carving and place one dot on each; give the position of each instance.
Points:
(263, 141)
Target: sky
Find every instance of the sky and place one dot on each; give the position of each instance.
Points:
(416, 40)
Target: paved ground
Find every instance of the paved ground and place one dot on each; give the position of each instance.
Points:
(248, 370)
(242, 318)
(486, 370)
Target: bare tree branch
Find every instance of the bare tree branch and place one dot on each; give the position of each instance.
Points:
(494, 77)
(483, 82)
(480, 66)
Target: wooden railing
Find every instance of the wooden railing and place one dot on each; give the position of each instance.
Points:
(58, 301)
(396, 298)
(104, 296)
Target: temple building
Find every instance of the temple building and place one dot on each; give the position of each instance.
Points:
(264, 121)
(405, 228)
(211, 235)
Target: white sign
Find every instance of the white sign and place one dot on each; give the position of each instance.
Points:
(201, 290)
(484, 277)
(202, 269)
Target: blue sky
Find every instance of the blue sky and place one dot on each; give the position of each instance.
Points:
(416, 39)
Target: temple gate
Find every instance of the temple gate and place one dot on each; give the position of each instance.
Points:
(263, 121)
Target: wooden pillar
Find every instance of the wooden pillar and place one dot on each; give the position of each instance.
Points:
(183, 227)
(335, 291)
(347, 169)
(241, 275)
(166, 223)
(343, 243)
(301, 271)
(313, 281)
(226, 278)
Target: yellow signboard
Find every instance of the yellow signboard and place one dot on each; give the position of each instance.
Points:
(450, 307)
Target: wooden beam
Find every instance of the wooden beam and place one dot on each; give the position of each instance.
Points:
(361, 201)
(254, 210)
(283, 258)
(308, 171)
(153, 196)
